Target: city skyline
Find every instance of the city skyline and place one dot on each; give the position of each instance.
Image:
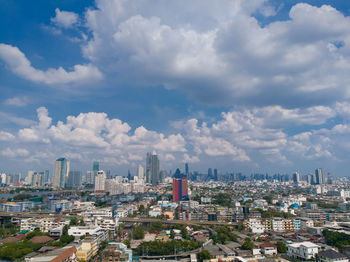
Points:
(247, 86)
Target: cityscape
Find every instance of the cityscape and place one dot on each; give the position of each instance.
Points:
(193, 131)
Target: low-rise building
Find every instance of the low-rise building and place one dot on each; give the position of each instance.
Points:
(88, 249)
(331, 255)
(303, 250)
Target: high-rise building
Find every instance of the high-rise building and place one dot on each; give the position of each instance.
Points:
(180, 189)
(100, 181)
(210, 173)
(296, 178)
(152, 168)
(140, 173)
(74, 179)
(215, 174)
(89, 177)
(29, 177)
(186, 169)
(95, 169)
(60, 172)
(320, 176)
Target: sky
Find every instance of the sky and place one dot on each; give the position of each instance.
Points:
(251, 86)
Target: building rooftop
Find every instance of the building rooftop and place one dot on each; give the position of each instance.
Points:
(332, 254)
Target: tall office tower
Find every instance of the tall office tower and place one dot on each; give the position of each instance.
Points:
(100, 181)
(74, 179)
(186, 169)
(46, 177)
(129, 175)
(215, 174)
(180, 189)
(140, 173)
(296, 178)
(155, 175)
(161, 176)
(210, 173)
(38, 179)
(89, 177)
(152, 169)
(29, 178)
(60, 172)
(95, 169)
(14, 179)
(309, 178)
(148, 167)
(320, 176)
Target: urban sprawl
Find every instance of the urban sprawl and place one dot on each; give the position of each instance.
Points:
(175, 216)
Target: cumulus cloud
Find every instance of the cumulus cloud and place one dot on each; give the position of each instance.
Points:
(20, 152)
(245, 137)
(17, 62)
(65, 19)
(205, 54)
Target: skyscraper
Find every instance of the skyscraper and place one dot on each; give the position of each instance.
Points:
(320, 176)
(95, 169)
(74, 179)
(186, 169)
(100, 181)
(215, 174)
(296, 178)
(60, 172)
(210, 174)
(140, 172)
(152, 168)
(180, 189)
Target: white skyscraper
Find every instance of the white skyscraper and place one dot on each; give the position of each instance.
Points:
(140, 173)
(60, 173)
(29, 178)
(100, 181)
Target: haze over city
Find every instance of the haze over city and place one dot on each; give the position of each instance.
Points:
(244, 86)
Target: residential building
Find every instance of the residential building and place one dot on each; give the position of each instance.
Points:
(116, 252)
(100, 181)
(180, 189)
(88, 249)
(303, 250)
(331, 255)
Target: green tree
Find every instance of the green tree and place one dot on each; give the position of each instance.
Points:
(281, 247)
(248, 244)
(172, 234)
(204, 255)
(74, 221)
(141, 209)
(138, 232)
(127, 243)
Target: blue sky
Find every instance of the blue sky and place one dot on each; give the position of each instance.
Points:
(244, 86)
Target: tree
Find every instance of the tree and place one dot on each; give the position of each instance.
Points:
(141, 209)
(138, 232)
(73, 222)
(81, 223)
(127, 243)
(204, 255)
(281, 247)
(172, 234)
(248, 244)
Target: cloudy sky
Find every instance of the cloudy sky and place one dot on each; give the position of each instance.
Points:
(241, 85)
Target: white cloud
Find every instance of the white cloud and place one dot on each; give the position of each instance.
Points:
(20, 65)
(5, 136)
(19, 152)
(17, 101)
(200, 49)
(65, 19)
(188, 159)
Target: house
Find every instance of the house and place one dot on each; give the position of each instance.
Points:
(303, 250)
(268, 248)
(331, 255)
(41, 239)
(66, 253)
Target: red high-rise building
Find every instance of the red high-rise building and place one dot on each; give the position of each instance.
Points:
(180, 189)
